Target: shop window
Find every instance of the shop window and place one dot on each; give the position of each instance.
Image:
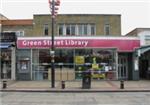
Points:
(104, 64)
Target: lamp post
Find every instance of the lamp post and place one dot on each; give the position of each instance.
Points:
(53, 8)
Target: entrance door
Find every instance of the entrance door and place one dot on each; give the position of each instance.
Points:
(24, 68)
(122, 67)
(143, 68)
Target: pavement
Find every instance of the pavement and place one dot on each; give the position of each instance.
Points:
(76, 86)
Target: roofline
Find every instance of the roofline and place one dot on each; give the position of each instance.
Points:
(136, 29)
(17, 22)
(83, 37)
(16, 19)
(80, 14)
(4, 17)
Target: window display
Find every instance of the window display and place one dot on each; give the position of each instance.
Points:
(70, 63)
(101, 63)
(5, 59)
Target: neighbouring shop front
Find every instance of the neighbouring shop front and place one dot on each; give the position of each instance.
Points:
(7, 55)
(73, 55)
(144, 57)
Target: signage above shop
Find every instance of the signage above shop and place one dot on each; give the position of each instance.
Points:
(8, 37)
(125, 44)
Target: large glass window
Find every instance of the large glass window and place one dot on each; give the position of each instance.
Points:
(101, 62)
(104, 64)
(64, 67)
(41, 63)
(82, 61)
(70, 63)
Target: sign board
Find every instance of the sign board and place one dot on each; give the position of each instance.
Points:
(95, 66)
(8, 37)
(121, 44)
(79, 59)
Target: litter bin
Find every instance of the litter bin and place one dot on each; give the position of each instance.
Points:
(86, 79)
(4, 84)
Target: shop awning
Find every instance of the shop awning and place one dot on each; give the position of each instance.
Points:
(5, 45)
(122, 44)
(143, 49)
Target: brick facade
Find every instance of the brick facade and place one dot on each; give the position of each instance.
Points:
(35, 27)
(98, 20)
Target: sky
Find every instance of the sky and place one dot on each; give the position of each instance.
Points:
(134, 13)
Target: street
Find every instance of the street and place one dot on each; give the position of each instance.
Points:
(100, 98)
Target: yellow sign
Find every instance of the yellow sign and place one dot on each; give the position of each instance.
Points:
(79, 60)
(95, 66)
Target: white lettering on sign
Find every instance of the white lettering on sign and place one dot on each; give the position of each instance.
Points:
(32, 43)
(58, 43)
(76, 42)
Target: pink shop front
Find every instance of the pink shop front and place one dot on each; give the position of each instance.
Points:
(108, 58)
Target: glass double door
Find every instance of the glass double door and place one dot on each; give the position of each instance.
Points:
(122, 67)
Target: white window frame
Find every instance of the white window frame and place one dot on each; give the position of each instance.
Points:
(82, 25)
(19, 32)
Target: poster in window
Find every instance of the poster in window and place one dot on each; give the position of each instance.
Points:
(136, 65)
(23, 66)
(79, 59)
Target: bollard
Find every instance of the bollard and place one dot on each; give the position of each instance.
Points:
(121, 84)
(63, 84)
(4, 84)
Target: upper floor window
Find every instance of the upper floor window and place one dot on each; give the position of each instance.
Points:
(107, 29)
(76, 29)
(46, 29)
(20, 33)
(92, 28)
(68, 30)
(85, 29)
(60, 30)
(73, 29)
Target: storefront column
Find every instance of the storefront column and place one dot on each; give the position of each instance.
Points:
(116, 64)
(135, 72)
(13, 64)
